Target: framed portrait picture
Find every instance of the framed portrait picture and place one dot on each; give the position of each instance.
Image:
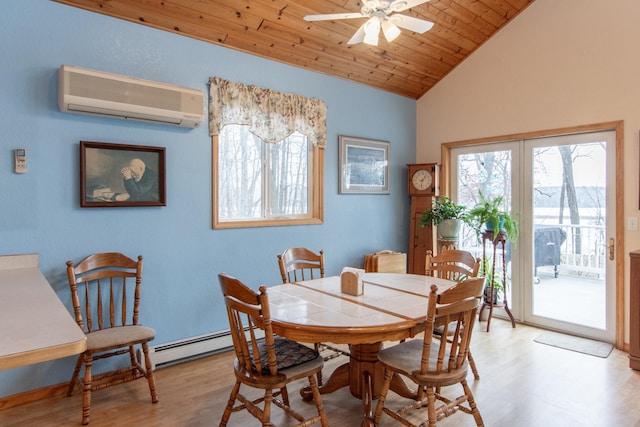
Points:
(364, 166)
(117, 175)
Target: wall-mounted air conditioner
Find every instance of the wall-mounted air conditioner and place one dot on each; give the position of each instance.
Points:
(85, 91)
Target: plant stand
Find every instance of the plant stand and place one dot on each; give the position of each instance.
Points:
(445, 244)
(490, 303)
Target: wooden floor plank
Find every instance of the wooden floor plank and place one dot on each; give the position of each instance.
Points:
(522, 384)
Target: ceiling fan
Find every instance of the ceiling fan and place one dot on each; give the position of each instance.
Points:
(381, 14)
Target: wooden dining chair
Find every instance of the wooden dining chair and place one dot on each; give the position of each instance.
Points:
(452, 264)
(434, 364)
(269, 363)
(456, 265)
(105, 292)
(297, 264)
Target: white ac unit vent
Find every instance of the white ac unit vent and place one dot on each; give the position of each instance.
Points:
(85, 91)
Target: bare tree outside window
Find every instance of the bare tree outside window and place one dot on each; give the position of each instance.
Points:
(566, 192)
(289, 176)
(489, 173)
(239, 173)
(257, 180)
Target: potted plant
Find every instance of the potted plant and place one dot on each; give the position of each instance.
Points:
(446, 215)
(486, 270)
(489, 213)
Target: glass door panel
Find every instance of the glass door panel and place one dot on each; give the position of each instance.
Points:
(561, 190)
(487, 169)
(569, 289)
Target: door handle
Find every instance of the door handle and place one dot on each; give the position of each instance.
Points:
(612, 248)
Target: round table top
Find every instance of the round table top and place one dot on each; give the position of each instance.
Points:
(393, 306)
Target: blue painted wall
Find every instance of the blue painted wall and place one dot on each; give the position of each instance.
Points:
(40, 213)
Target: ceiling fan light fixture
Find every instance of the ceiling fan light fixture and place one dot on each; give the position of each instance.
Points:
(381, 14)
(371, 31)
(390, 31)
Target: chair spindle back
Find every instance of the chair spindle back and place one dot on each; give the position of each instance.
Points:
(455, 309)
(298, 264)
(247, 312)
(453, 264)
(105, 291)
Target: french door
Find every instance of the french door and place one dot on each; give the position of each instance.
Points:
(561, 189)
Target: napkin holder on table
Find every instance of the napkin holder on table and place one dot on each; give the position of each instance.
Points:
(351, 281)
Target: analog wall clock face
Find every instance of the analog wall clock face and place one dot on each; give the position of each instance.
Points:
(422, 179)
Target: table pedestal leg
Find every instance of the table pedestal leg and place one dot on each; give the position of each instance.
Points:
(364, 359)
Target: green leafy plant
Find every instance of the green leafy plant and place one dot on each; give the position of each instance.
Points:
(443, 208)
(486, 270)
(489, 213)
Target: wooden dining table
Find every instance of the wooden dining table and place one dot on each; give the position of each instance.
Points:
(392, 307)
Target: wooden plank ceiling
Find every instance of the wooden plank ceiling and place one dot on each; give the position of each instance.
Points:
(409, 66)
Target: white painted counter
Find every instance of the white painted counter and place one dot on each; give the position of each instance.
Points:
(34, 324)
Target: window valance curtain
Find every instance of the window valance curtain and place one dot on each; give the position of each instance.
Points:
(272, 115)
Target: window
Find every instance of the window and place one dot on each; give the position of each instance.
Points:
(257, 181)
(268, 165)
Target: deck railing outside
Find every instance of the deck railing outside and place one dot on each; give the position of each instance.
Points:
(584, 251)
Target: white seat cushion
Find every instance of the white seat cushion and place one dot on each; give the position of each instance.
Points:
(119, 336)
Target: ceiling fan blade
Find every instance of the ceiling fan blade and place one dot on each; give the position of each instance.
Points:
(333, 16)
(358, 37)
(402, 5)
(412, 24)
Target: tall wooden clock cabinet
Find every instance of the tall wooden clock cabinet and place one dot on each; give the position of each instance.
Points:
(424, 186)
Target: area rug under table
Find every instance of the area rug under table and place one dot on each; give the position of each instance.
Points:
(581, 345)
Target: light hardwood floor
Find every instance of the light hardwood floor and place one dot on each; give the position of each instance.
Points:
(522, 384)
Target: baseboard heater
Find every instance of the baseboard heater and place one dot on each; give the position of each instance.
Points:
(188, 349)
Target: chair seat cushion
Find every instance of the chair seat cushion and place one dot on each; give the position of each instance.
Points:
(405, 359)
(288, 354)
(439, 329)
(119, 336)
